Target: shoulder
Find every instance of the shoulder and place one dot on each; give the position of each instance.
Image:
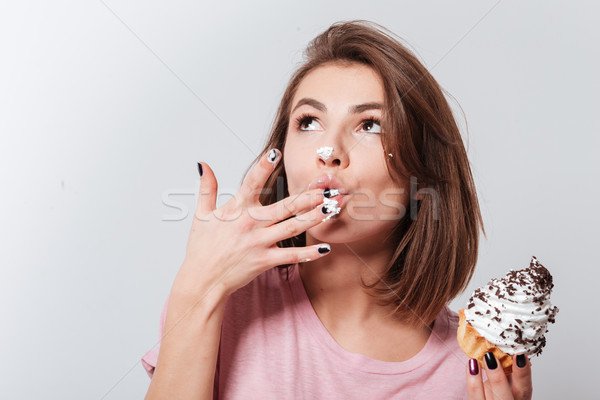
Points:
(452, 319)
(447, 362)
(460, 357)
(450, 342)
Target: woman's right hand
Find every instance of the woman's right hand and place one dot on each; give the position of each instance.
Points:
(229, 246)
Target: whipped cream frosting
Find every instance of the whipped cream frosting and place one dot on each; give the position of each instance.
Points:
(325, 152)
(513, 312)
(331, 207)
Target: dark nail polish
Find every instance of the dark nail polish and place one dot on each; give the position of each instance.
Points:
(473, 366)
(521, 361)
(200, 169)
(324, 210)
(330, 192)
(490, 360)
(324, 249)
(272, 156)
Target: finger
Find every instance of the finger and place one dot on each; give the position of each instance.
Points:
(207, 198)
(257, 176)
(522, 387)
(292, 255)
(488, 389)
(497, 378)
(489, 395)
(294, 226)
(287, 207)
(474, 381)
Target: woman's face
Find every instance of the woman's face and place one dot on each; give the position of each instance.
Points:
(375, 202)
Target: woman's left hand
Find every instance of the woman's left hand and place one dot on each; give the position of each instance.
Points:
(498, 386)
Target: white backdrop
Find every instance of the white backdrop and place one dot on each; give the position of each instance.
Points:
(105, 107)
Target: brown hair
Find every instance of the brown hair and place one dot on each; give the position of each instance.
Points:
(436, 248)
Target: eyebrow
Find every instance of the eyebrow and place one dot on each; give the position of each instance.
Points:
(351, 110)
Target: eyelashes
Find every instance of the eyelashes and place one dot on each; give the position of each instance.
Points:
(303, 119)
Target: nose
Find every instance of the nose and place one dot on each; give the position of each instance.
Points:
(331, 156)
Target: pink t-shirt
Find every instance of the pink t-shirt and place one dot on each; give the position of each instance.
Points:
(274, 346)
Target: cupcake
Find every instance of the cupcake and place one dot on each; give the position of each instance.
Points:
(508, 316)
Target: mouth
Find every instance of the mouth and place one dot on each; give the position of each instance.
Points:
(328, 181)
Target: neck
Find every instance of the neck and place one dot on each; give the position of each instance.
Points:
(333, 282)
(350, 314)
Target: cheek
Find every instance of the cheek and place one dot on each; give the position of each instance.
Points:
(380, 198)
(297, 170)
(394, 203)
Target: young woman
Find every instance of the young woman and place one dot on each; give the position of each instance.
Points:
(329, 273)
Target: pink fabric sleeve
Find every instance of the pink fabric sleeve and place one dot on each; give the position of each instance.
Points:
(149, 359)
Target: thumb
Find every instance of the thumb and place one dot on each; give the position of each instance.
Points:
(207, 196)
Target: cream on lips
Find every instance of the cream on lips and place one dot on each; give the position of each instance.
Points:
(332, 187)
(513, 312)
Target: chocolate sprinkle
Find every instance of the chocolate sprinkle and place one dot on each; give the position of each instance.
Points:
(535, 285)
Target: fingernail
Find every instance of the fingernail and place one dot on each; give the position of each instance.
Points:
(324, 248)
(521, 361)
(330, 193)
(330, 206)
(490, 360)
(200, 169)
(473, 366)
(273, 156)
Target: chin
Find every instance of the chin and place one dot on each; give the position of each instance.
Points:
(335, 230)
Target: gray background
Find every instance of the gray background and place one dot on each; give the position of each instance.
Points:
(105, 107)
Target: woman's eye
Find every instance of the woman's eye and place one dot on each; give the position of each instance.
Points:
(305, 121)
(369, 123)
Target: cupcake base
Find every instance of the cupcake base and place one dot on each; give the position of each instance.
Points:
(475, 346)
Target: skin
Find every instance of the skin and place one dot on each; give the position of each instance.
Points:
(358, 235)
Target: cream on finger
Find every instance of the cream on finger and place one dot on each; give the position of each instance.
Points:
(331, 207)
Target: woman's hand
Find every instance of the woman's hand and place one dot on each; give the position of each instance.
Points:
(229, 246)
(498, 386)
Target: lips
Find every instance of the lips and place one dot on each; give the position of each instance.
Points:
(328, 181)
